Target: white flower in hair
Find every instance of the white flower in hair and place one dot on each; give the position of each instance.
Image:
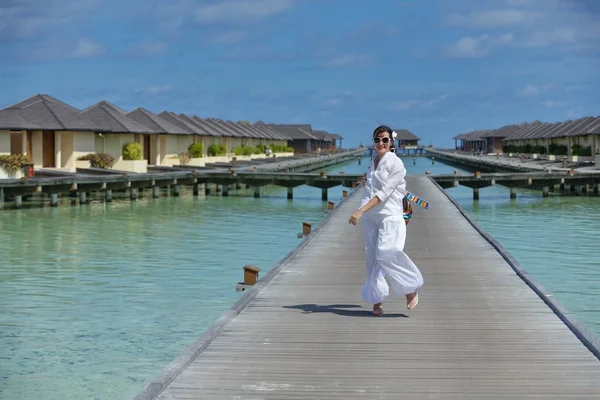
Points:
(394, 134)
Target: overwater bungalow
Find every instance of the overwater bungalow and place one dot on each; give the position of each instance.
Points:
(165, 147)
(406, 139)
(578, 140)
(52, 134)
(124, 131)
(300, 136)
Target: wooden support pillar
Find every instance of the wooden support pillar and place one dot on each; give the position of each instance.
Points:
(207, 189)
(257, 191)
(306, 228)
(218, 188)
(133, 194)
(195, 189)
(578, 190)
(290, 193)
(108, 196)
(250, 274)
(82, 198)
(225, 190)
(324, 194)
(18, 201)
(155, 192)
(595, 189)
(53, 199)
(513, 193)
(545, 191)
(476, 193)
(238, 186)
(176, 190)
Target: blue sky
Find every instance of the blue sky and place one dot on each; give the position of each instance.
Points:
(435, 67)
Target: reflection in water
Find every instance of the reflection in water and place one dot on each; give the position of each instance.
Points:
(97, 299)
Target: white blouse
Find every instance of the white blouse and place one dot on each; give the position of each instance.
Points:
(388, 184)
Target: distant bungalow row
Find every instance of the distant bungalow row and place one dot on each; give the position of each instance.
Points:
(52, 134)
(575, 139)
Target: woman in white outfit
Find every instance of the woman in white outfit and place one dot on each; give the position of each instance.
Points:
(385, 229)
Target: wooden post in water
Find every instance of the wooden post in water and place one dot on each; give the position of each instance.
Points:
(250, 278)
(324, 194)
(250, 274)
(155, 192)
(306, 228)
(475, 193)
(18, 201)
(133, 194)
(82, 198)
(513, 193)
(545, 191)
(195, 189)
(257, 191)
(290, 193)
(176, 190)
(53, 199)
(108, 195)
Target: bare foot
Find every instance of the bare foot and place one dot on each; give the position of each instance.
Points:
(412, 299)
(377, 309)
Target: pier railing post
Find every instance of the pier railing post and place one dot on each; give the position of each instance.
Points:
(306, 228)
(250, 274)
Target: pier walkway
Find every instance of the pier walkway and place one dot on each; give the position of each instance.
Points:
(479, 331)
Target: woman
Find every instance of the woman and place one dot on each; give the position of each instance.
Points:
(385, 229)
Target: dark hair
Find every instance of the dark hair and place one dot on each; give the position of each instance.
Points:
(385, 129)
(381, 129)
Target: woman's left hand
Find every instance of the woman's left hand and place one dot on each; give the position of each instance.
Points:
(355, 217)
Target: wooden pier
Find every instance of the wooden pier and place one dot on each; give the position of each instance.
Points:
(483, 328)
(216, 178)
(565, 182)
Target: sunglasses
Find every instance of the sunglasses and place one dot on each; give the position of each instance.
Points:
(384, 140)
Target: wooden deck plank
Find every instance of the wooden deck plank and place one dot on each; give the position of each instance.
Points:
(479, 332)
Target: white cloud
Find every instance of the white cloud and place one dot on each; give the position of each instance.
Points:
(563, 24)
(241, 10)
(22, 19)
(533, 90)
(155, 90)
(475, 47)
(86, 48)
(419, 104)
(229, 37)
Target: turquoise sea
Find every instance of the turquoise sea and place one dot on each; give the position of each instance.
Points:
(96, 300)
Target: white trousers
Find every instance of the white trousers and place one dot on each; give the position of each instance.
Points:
(384, 245)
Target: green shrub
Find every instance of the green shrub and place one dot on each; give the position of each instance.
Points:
(217, 150)
(132, 151)
(101, 160)
(13, 162)
(196, 150)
